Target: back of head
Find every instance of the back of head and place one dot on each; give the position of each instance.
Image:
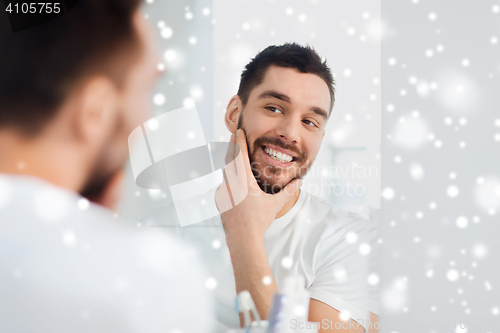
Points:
(40, 66)
(289, 55)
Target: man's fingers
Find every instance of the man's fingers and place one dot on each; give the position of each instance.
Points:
(238, 181)
(231, 149)
(237, 163)
(241, 141)
(223, 197)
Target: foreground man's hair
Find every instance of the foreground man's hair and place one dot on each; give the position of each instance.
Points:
(40, 66)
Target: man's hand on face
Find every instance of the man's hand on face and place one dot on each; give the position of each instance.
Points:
(247, 222)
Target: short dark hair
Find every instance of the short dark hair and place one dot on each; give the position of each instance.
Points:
(289, 55)
(40, 66)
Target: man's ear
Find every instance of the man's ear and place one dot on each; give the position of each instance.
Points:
(233, 113)
(96, 108)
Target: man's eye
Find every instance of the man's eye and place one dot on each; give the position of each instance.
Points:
(308, 122)
(273, 109)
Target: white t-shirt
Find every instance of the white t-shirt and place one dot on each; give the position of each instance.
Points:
(68, 266)
(314, 239)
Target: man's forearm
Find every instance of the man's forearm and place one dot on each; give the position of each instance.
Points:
(252, 273)
(246, 223)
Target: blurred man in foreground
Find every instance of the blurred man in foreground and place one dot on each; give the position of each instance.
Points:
(71, 90)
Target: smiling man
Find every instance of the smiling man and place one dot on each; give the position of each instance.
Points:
(287, 93)
(278, 120)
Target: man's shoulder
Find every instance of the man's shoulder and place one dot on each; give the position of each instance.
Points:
(62, 218)
(336, 213)
(167, 216)
(81, 256)
(153, 245)
(331, 225)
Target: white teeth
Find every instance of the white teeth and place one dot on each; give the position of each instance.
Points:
(279, 156)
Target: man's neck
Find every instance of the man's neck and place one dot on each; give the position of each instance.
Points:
(54, 162)
(289, 204)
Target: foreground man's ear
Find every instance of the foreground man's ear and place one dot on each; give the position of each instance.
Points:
(95, 109)
(233, 113)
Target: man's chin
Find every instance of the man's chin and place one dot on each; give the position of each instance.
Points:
(97, 186)
(271, 187)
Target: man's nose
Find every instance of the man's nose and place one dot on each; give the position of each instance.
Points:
(288, 130)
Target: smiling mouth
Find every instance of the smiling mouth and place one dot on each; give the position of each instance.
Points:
(278, 156)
